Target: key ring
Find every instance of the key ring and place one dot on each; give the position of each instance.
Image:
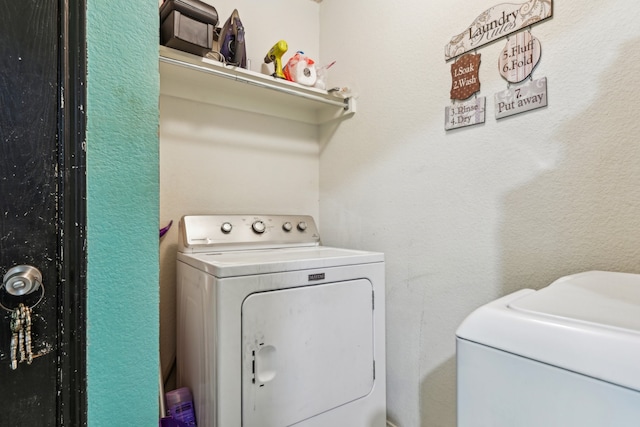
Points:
(31, 307)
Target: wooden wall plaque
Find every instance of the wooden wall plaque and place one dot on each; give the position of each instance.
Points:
(465, 80)
(463, 114)
(515, 100)
(497, 22)
(519, 57)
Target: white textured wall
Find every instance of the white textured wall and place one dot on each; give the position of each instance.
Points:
(469, 215)
(216, 160)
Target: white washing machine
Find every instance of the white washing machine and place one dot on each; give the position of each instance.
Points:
(274, 329)
(567, 355)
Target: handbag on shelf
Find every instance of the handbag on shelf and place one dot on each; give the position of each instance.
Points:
(188, 25)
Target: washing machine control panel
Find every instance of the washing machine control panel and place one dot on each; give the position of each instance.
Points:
(203, 233)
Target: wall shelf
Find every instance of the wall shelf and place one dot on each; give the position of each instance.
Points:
(191, 77)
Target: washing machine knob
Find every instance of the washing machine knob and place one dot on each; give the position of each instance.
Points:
(259, 227)
(287, 226)
(302, 226)
(226, 227)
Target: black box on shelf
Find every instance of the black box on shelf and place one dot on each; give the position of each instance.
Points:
(188, 25)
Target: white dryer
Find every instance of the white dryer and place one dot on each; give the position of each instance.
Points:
(274, 329)
(567, 355)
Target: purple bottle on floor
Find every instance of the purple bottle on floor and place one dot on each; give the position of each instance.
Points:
(180, 406)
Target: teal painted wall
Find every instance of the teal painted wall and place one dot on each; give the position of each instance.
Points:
(122, 203)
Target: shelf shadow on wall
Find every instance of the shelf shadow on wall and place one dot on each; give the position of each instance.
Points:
(585, 213)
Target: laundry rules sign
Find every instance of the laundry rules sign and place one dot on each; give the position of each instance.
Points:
(523, 98)
(463, 114)
(519, 57)
(497, 22)
(465, 81)
(464, 76)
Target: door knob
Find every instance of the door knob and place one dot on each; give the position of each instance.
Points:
(22, 280)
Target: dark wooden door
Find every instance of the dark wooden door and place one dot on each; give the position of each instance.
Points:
(36, 160)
